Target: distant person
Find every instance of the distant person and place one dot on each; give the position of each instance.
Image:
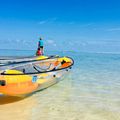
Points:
(40, 45)
(38, 53)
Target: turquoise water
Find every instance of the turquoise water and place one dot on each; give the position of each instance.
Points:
(89, 92)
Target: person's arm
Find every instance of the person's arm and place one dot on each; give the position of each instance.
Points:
(38, 43)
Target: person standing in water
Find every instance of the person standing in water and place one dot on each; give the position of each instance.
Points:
(40, 45)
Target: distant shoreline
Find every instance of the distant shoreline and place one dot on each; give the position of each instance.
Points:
(91, 52)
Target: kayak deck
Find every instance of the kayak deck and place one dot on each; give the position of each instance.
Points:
(28, 77)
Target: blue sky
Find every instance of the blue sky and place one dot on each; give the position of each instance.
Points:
(77, 25)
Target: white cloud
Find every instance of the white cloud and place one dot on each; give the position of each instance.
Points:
(53, 19)
(87, 25)
(18, 40)
(55, 44)
(50, 41)
(71, 23)
(42, 22)
(47, 21)
(113, 29)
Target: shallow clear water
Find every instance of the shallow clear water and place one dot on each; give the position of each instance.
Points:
(89, 92)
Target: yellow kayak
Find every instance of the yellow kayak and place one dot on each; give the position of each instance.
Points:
(28, 77)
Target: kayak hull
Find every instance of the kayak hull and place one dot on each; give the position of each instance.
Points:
(14, 82)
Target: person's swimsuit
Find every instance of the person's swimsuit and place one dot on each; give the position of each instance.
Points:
(40, 44)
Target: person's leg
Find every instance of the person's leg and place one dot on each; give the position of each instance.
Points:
(41, 49)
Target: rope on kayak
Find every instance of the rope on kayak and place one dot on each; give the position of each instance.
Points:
(39, 68)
